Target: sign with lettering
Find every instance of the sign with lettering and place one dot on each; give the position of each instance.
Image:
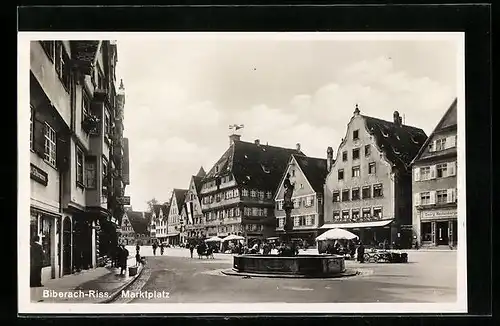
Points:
(39, 175)
(439, 214)
(125, 200)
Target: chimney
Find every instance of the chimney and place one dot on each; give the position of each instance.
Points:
(257, 142)
(329, 158)
(298, 147)
(234, 138)
(397, 119)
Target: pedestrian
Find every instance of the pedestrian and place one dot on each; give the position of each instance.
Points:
(36, 255)
(137, 248)
(191, 249)
(154, 248)
(123, 260)
(162, 248)
(361, 253)
(137, 259)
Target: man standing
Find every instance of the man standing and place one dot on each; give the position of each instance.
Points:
(36, 255)
(123, 260)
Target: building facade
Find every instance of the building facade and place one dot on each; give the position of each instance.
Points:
(435, 185)
(133, 229)
(237, 194)
(307, 174)
(74, 180)
(175, 233)
(191, 212)
(368, 187)
(160, 215)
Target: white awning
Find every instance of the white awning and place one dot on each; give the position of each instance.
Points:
(172, 234)
(371, 224)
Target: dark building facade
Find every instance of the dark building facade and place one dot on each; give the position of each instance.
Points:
(237, 194)
(435, 185)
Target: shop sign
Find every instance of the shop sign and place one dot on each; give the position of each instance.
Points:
(39, 175)
(439, 214)
(125, 200)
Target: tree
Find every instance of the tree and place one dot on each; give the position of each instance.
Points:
(151, 204)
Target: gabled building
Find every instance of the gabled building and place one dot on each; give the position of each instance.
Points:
(308, 175)
(368, 188)
(435, 184)
(133, 229)
(162, 222)
(237, 195)
(191, 212)
(175, 232)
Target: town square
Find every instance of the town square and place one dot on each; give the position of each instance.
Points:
(244, 169)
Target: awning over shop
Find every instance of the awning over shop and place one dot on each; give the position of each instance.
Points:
(371, 224)
(172, 234)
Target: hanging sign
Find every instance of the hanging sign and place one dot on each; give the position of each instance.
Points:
(39, 175)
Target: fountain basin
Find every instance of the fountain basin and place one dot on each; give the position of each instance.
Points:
(301, 265)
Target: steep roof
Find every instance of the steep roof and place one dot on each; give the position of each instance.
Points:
(156, 209)
(165, 208)
(448, 119)
(400, 143)
(198, 181)
(180, 196)
(201, 172)
(148, 216)
(138, 223)
(253, 165)
(314, 169)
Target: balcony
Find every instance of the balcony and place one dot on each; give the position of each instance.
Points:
(84, 54)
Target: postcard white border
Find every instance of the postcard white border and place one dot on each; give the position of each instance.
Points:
(25, 306)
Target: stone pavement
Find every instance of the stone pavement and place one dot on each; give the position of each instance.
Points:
(96, 285)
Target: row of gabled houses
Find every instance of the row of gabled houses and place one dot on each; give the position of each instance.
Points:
(387, 182)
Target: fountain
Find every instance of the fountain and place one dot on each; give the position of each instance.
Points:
(288, 262)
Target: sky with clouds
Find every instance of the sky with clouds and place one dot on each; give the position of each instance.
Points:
(182, 94)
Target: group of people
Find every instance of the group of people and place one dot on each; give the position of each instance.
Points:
(352, 248)
(119, 258)
(155, 247)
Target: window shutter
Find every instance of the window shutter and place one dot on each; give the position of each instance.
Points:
(450, 142)
(454, 195)
(417, 174)
(62, 152)
(416, 199)
(39, 136)
(451, 168)
(433, 197)
(433, 149)
(449, 196)
(433, 172)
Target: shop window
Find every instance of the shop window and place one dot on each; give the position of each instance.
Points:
(355, 154)
(377, 191)
(345, 195)
(426, 231)
(46, 240)
(366, 192)
(355, 194)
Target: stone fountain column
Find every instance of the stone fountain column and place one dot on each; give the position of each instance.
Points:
(288, 206)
